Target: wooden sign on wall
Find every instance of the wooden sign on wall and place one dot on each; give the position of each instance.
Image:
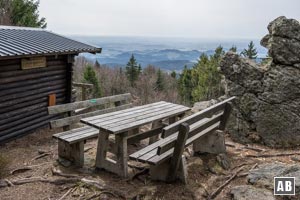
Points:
(32, 63)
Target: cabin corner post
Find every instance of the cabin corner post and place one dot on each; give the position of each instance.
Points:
(69, 77)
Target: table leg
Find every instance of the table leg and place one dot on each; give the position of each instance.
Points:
(122, 158)
(102, 149)
(155, 124)
(172, 120)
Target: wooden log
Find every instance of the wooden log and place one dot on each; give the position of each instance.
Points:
(46, 79)
(30, 98)
(21, 115)
(178, 151)
(76, 118)
(12, 67)
(46, 88)
(86, 85)
(29, 88)
(87, 103)
(31, 76)
(31, 71)
(144, 135)
(21, 126)
(25, 131)
(22, 120)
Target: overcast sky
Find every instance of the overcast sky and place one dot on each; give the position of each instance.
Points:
(165, 18)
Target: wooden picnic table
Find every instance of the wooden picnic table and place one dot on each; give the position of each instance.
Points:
(124, 127)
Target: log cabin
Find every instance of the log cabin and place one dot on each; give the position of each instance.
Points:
(35, 72)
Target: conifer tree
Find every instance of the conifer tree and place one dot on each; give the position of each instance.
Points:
(159, 81)
(173, 74)
(251, 52)
(89, 76)
(233, 49)
(132, 70)
(185, 85)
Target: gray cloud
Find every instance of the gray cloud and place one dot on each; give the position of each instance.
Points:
(178, 18)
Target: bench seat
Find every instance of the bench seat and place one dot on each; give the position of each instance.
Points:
(77, 135)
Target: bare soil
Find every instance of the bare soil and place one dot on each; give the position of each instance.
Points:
(205, 174)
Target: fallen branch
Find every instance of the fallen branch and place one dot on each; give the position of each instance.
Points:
(230, 145)
(66, 194)
(272, 155)
(41, 156)
(219, 189)
(254, 149)
(144, 171)
(87, 149)
(246, 174)
(21, 170)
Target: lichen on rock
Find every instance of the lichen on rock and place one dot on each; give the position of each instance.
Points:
(267, 108)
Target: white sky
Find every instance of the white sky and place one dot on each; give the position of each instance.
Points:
(165, 18)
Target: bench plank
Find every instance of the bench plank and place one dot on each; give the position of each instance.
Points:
(140, 116)
(76, 119)
(135, 124)
(88, 103)
(195, 117)
(194, 129)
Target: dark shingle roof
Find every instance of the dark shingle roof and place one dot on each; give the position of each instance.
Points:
(20, 41)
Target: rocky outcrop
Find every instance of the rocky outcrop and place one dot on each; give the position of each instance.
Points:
(263, 176)
(267, 108)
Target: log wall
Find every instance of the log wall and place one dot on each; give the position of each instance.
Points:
(24, 94)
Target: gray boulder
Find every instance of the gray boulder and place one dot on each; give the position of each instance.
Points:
(263, 176)
(248, 192)
(267, 108)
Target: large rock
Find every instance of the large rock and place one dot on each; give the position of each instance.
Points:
(248, 192)
(263, 176)
(267, 108)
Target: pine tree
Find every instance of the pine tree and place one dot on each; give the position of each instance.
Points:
(173, 74)
(132, 71)
(89, 76)
(21, 13)
(251, 52)
(159, 81)
(140, 69)
(185, 85)
(233, 49)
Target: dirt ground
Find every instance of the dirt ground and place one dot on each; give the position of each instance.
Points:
(205, 173)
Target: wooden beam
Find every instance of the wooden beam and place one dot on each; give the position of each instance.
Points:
(87, 103)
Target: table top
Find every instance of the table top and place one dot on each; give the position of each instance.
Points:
(128, 119)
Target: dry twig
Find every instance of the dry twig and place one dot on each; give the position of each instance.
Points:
(272, 155)
(219, 189)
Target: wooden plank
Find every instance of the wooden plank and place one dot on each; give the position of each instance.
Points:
(123, 113)
(178, 151)
(149, 148)
(87, 103)
(75, 132)
(82, 137)
(86, 85)
(208, 112)
(158, 159)
(77, 118)
(144, 135)
(194, 129)
(121, 144)
(119, 121)
(128, 126)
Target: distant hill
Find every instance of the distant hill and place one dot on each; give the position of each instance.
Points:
(167, 53)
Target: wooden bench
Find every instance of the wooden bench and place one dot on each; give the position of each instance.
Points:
(71, 142)
(165, 156)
